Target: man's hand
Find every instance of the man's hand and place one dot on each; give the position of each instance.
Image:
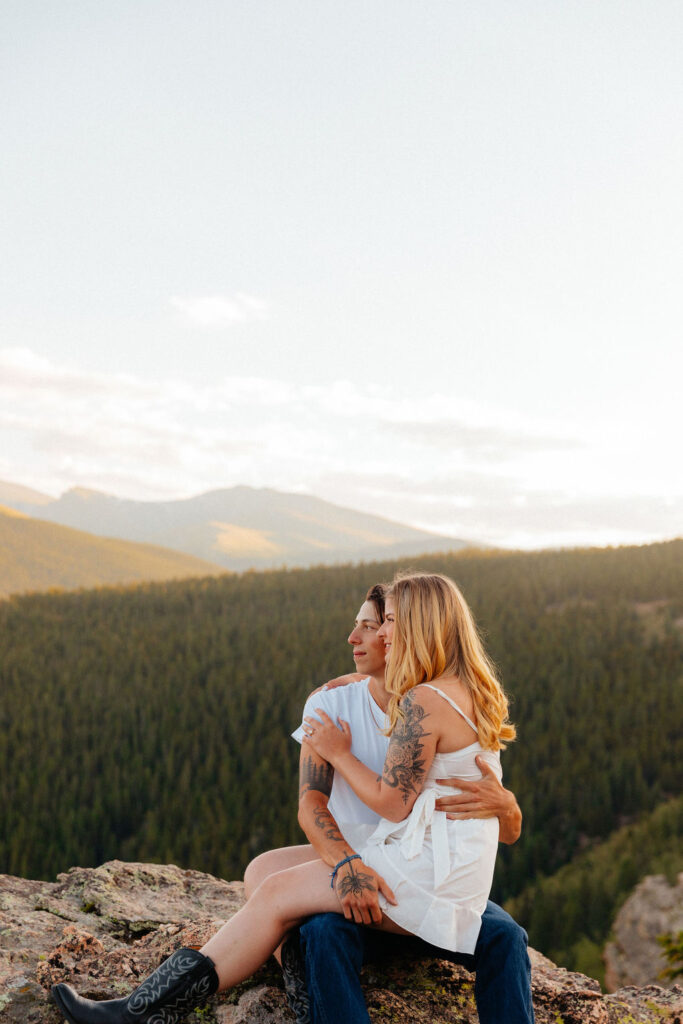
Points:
(358, 887)
(486, 798)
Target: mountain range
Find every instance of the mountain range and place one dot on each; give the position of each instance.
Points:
(236, 529)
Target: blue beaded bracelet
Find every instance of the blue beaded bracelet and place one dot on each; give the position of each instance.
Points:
(333, 874)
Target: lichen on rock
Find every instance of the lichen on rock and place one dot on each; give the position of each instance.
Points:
(104, 929)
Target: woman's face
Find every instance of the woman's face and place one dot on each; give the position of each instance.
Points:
(386, 632)
(368, 649)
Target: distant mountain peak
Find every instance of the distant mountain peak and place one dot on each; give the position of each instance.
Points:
(88, 494)
(242, 527)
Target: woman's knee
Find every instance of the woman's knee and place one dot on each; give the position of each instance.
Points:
(274, 893)
(272, 861)
(259, 869)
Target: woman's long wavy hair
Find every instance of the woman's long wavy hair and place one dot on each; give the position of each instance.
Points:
(435, 635)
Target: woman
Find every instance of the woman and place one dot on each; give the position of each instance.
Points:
(441, 869)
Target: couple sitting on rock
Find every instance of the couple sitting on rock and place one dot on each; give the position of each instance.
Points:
(394, 851)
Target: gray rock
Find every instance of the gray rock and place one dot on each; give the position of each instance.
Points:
(104, 929)
(634, 957)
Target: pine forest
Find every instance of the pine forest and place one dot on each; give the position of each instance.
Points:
(153, 723)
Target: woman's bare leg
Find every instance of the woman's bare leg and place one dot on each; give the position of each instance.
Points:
(280, 902)
(271, 861)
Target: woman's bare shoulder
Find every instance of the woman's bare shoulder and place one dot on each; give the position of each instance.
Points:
(452, 687)
(425, 697)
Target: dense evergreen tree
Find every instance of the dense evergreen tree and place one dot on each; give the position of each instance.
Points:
(569, 914)
(153, 723)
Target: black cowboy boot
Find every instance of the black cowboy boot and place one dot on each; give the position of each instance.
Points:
(178, 985)
(294, 976)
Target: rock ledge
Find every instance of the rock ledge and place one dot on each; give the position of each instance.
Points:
(103, 929)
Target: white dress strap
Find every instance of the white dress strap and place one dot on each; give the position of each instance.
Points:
(453, 705)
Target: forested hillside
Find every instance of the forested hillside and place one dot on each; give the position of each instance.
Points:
(37, 555)
(153, 723)
(568, 914)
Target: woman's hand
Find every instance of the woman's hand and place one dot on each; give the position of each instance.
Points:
(348, 677)
(357, 887)
(327, 739)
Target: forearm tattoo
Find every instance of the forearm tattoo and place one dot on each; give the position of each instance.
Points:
(326, 823)
(404, 767)
(355, 883)
(317, 776)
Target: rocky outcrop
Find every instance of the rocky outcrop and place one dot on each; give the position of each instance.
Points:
(634, 957)
(103, 929)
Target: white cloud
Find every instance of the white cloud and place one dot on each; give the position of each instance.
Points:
(474, 474)
(490, 443)
(221, 310)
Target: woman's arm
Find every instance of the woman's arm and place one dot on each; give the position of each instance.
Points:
(409, 757)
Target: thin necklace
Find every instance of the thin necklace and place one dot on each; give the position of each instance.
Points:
(372, 711)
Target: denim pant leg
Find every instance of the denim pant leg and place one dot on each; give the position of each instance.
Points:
(502, 986)
(333, 950)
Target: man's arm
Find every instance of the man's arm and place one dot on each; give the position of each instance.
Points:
(486, 798)
(357, 885)
(316, 776)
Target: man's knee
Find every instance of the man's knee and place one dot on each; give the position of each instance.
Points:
(514, 938)
(329, 928)
(325, 934)
(500, 930)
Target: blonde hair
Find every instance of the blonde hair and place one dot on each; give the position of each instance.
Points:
(435, 635)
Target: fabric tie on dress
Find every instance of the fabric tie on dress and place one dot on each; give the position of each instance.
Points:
(411, 833)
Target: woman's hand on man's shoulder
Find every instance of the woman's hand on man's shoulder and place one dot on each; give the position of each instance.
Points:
(332, 684)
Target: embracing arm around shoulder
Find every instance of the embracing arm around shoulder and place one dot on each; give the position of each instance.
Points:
(409, 757)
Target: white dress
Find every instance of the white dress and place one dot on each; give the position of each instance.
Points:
(440, 870)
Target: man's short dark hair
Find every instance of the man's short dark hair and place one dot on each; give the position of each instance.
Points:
(377, 596)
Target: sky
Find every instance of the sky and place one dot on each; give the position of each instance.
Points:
(419, 259)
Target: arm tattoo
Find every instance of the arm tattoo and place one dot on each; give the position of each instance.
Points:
(404, 765)
(317, 776)
(324, 820)
(355, 883)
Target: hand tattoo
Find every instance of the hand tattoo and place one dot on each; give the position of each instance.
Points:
(315, 775)
(324, 821)
(355, 883)
(404, 767)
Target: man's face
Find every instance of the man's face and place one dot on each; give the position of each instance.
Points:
(368, 650)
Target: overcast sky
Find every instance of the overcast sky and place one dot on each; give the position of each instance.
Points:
(424, 259)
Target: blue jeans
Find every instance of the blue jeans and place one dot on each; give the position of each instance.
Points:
(335, 949)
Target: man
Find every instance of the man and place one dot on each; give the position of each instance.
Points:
(335, 820)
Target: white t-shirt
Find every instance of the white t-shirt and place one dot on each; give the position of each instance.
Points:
(355, 705)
